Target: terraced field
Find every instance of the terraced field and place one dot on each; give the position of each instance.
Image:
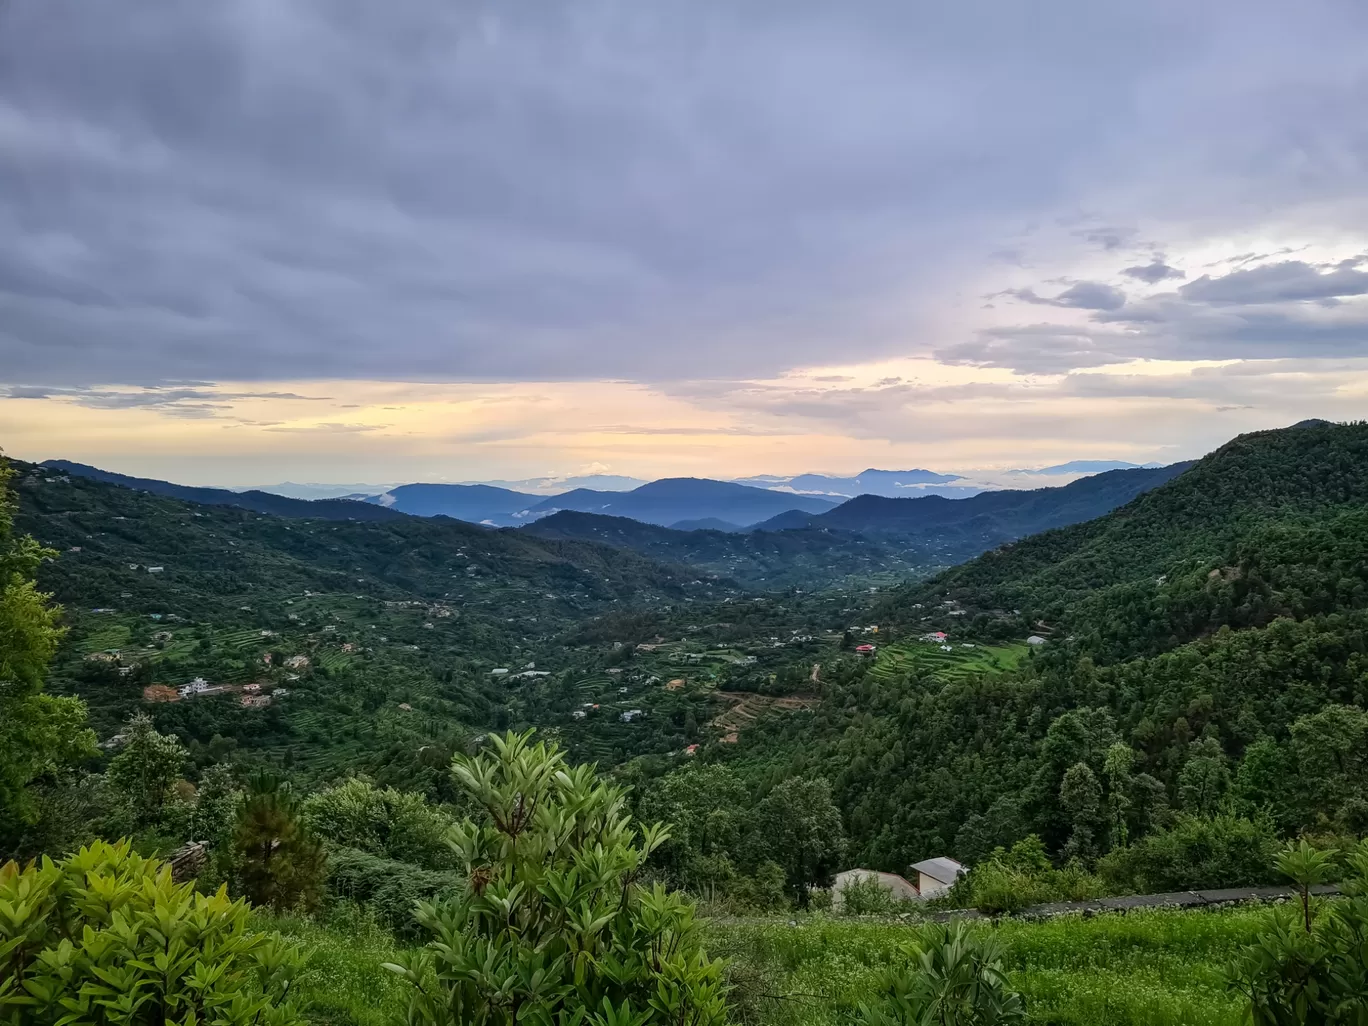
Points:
(926, 659)
(747, 708)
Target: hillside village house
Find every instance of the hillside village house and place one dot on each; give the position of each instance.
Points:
(1035, 639)
(297, 662)
(936, 876)
(901, 888)
(865, 650)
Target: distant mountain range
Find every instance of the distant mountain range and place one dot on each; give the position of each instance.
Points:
(697, 522)
(669, 501)
(987, 519)
(888, 483)
(922, 503)
(257, 501)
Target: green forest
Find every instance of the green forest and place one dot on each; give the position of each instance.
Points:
(272, 769)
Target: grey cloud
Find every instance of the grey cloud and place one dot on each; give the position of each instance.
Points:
(1154, 272)
(186, 402)
(1085, 295)
(306, 189)
(1038, 349)
(1288, 281)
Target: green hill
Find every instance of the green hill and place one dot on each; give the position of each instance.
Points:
(1215, 629)
(406, 612)
(1268, 525)
(806, 557)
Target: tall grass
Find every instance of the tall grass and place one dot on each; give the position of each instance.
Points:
(342, 983)
(1152, 967)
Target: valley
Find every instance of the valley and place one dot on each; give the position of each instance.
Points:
(1152, 699)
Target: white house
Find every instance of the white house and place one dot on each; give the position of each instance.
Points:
(630, 715)
(901, 888)
(935, 876)
(1035, 639)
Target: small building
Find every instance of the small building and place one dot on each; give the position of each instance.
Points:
(936, 876)
(578, 714)
(499, 671)
(297, 662)
(255, 701)
(901, 888)
(405, 707)
(691, 750)
(1035, 639)
(155, 569)
(348, 646)
(675, 684)
(630, 715)
(935, 637)
(865, 650)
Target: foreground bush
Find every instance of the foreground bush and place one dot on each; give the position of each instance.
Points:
(1307, 967)
(955, 978)
(553, 925)
(1012, 879)
(105, 937)
(390, 889)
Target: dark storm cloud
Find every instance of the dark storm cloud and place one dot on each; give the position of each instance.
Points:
(295, 189)
(1153, 272)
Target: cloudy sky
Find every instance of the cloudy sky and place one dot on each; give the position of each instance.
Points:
(343, 240)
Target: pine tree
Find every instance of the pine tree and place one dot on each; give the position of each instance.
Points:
(282, 863)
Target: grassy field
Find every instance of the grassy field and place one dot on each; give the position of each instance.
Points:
(1158, 968)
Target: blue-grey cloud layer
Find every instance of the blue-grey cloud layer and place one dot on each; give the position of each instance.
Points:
(469, 189)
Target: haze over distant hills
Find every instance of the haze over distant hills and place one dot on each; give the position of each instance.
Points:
(858, 503)
(888, 483)
(988, 518)
(665, 502)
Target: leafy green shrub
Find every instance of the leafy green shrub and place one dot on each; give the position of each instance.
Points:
(1196, 852)
(105, 937)
(955, 978)
(552, 924)
(1309, 968)
(866, 896)
(1017, 878)
(390, 889)
(392, 824)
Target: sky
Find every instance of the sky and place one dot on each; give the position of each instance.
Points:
(331, 240)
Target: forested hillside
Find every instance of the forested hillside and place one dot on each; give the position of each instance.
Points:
(257, 501)
(395, 626)
(1199, 682)
(766, 560)
(1270, 524)
(952, 530)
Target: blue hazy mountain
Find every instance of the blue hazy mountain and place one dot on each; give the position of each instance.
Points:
(675, 499)
(891, 483)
